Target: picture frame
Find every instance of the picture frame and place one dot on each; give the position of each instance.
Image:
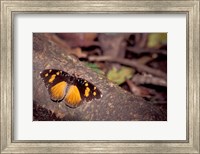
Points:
(10, 8)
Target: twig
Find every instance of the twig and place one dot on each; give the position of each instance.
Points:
(139, 67)
(138, 50)
(149, 79)
(138, 91)
(146, 59)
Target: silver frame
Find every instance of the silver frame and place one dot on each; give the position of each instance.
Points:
(189, 7)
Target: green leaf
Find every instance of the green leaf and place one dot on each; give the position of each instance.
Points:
(94, 67)
(121, 75)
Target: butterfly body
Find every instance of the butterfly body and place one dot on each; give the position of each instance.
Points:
(68, 88)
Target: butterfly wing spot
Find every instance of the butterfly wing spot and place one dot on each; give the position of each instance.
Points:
(87, 92)
(94, 93)
(58, 91)
(73, 96)
(52, 78)
(50, 71)
(57, 73)
(46, 74)
(86, 84)
(95, 88)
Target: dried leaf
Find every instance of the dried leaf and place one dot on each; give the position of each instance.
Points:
(156, 39)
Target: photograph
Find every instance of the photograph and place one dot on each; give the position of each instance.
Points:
(100, 76)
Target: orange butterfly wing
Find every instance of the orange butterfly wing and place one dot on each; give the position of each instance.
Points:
(62, 86)
(55, 83)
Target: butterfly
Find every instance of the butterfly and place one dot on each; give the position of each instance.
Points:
(68, 88)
